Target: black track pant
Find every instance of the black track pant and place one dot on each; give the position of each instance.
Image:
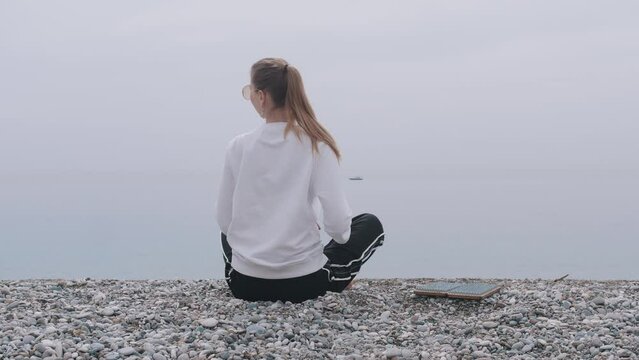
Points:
(345, 261)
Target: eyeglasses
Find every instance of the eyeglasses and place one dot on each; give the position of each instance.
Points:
(246, 91)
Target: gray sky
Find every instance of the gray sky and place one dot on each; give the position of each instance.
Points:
(154, 86)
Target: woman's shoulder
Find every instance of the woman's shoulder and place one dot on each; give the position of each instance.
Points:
(238, 139)
(235, 145)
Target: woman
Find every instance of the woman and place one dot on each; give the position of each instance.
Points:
(270, 181)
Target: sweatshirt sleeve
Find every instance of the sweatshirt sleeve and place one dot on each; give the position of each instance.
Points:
(326, 183)
(224, 203)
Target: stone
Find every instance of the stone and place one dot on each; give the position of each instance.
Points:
(148, 347)
(596, 342)
(99, 297)
(108, 311)
(542, 342)
(209, 323)
(112, 355)
(392, 352)
(14, 305)
(624, 353)
(385, 316)
(599, 301)
(40, 348)
(127, 351)
(97, 347)
(490, 324)
(48, 343)
(255, 329)
(28, 339)
(83, 315)
(479, 354)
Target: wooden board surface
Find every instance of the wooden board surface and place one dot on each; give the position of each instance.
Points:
(459, 290)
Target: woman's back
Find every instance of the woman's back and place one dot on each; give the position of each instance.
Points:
(274, 180)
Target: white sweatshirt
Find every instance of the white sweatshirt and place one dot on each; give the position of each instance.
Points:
(266, 198)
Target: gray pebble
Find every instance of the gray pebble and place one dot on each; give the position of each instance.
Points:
(97, 347)
(255, 329)
(149, 348)
(624, 353)
(596, 342)
(209, 323)
(109, 311)
(14, 305)
(599, 301)
(385, 316)
(392, 352)
(27, 339)
(479, 354)
(127, 351)
(40, 348)
(112, 356)
(490, 324)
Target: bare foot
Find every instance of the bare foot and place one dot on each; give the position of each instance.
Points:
(350, 284)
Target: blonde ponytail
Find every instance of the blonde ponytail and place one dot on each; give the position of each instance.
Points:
(301, 110)
(286, 87)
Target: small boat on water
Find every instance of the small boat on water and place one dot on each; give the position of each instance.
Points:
(356, 178)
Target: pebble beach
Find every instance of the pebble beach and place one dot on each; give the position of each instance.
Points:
(375, 319)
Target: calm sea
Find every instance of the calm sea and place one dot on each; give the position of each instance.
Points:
(505, 224)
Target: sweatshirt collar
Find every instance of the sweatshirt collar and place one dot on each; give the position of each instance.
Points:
(274, 124)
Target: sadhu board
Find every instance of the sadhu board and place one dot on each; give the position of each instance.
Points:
(470, 291)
